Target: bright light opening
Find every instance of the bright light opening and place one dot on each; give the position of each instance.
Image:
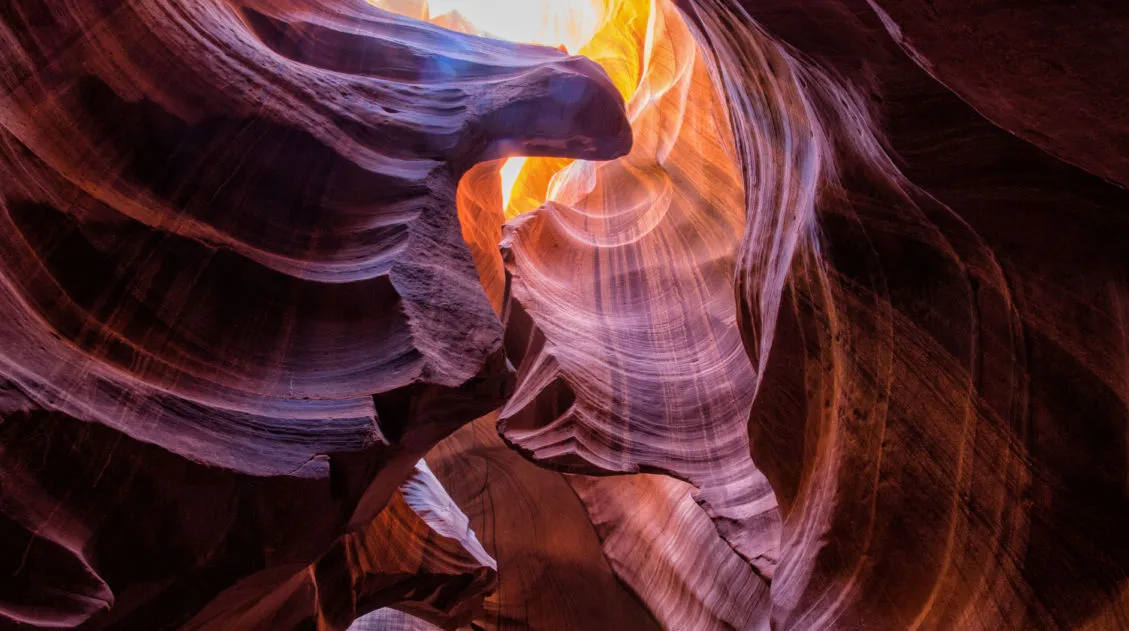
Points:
(568, 23)
(509, 172)
(610, 32)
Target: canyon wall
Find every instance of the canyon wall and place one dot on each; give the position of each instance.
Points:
(238, 307)
(806, 314)
(942, 410)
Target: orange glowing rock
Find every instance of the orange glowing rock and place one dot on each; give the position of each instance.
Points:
(620, 313)
(618, 47)
(610, 32)
(620, 310)
(621, 319)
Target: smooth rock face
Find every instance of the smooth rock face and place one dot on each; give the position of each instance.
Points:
(824, 328)
(552, 569)
(1051, 73)
(390, 620)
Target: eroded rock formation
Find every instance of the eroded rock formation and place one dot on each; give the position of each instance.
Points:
(942, 404)
(237, 304)
(621, 312)
(805, 314)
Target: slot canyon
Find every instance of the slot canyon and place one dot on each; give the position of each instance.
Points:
(397, 315)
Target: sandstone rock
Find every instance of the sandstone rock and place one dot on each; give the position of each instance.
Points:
(832, 337)
(234, 283)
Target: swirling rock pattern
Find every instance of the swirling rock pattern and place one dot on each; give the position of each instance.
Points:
(1047, 72)
(231, 267)
(942, 404)
(103, 531)
(182, 204)
(840, 343)
(664, 546)
(435, 568)
(560, 541)
(621, 316)
(552, 571)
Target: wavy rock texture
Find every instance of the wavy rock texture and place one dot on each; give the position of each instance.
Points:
(942, 407)
(664, 546)
(641, 210)
(1047, 72)
(104, 531)
(324, 267)
(621, 316)
(561, 541)
(390, 620)
(840, 343)
(552, 572)
(933, 310)
(419, 554)
(237, 304)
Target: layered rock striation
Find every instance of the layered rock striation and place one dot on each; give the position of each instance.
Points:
(799, 315)
(237, 305)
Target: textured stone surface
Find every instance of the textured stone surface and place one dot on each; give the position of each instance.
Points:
(942, 408)
(233, 284)
(552, 573)
(106, 532)
(621, 316)
(620, 282)
(839, 342)
(419, 554)
(391, 620)
(1052, 73)
(664, 546)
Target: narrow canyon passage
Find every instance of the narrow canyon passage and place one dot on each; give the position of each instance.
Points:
(564, 314)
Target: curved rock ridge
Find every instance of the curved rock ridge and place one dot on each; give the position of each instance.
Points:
(233, 282)
(655, 538)
(838, 342)
(419, 555)
(620, 314)
(247, 242)
(937, 310)
(618, 45)
(106, 532)
(552, 570)
(666, 549)
(561, 540)
(1049, 72)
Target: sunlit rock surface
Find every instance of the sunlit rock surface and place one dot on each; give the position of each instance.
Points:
(621, 316)
(791, 314)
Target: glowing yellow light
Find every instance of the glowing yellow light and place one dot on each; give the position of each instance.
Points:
(618, 45)
(509, 172)
(568, 23)
(610, 32)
